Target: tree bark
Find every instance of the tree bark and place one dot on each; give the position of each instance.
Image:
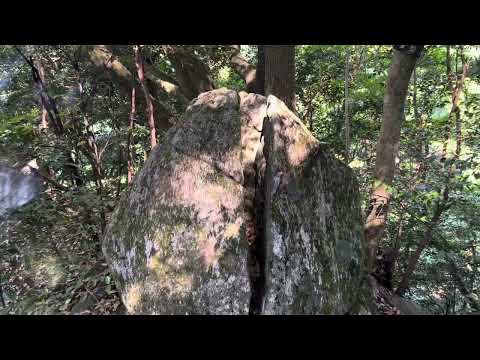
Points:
(43, 117)
(260, 74)
(458, 118)
(54, 116)
(103, 58)
(400, 73)
(148, 100)
(280, 73)
(347, 105)
(243, 68)
(192, 74)
(418, 121)
(131, 125)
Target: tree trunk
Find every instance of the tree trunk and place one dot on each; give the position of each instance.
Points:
(347, 105)
(455, 87)
(43, 118)
(244, 69)
(103, 58)
(280, 73)
(441, 205)
(458, 118)
(400, 73)
(424, 242)
(192, 74)
(54, 116)
(260, 69)
(131, 125)
(418, 146)
(148, 99)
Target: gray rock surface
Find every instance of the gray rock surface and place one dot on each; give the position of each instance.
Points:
(313, 224)
(176, 241)
(217, 222)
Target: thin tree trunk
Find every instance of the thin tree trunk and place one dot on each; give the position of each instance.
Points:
(310, 115)
(43, 117)
(54, 117)
(458, 118)
(47, 100)
(457, 89)
(260, 74)
(451, 85)
(442, 204)
(474, 267)
(280, 73)
(471, 297)
(90, 148)
(418, 121)
(396, 245)
(424, 242)
(131, 125)
(148, 100)
(400, 73)
(347, 105)
(1, 295)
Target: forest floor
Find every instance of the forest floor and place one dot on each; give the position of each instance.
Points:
(51, 261)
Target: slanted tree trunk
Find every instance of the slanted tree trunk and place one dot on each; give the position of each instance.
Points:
(43, 124)
(54, 117)
(470, 296)
(146, 93)
(103, 58)
(280, 73)
(400, 73)
(442, 204)
(191, 73)
(246, 70)
(440, 207)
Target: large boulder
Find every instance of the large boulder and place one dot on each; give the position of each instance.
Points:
(217, 222)
(177, 241)
(313, 223)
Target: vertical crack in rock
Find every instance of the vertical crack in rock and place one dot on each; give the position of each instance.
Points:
(257, 253)
(252, 113)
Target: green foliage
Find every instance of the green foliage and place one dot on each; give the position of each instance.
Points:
(19, 128)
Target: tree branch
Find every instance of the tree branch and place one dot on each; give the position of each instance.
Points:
(243, 68)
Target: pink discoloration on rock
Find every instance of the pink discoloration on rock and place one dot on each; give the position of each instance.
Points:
(207, 246)
(184, 201)
(208, 198)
